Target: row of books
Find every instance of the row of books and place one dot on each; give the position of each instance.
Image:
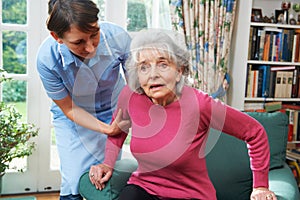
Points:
(272, 81)
(274, 44)
(292, 110)
(263, 106)
(294, 123)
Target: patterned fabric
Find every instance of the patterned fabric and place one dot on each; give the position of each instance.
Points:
(207, 26)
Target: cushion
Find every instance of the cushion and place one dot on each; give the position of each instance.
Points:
(283, 183)
(228, 167)
(276, 126)
(122, 171)
(228, 162)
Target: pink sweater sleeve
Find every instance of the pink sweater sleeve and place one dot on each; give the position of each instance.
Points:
(115, 143)
(113, 147)
(246, 128)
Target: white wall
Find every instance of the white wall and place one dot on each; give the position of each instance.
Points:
(238, 59)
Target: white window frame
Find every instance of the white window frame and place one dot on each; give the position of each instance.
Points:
(39, 177)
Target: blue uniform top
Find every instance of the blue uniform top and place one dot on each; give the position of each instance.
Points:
(94, 86)
(91, 85)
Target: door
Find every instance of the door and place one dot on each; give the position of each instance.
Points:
(22, 28)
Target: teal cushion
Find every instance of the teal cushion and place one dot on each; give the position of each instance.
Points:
(122, 171)
(276, 126)
(228, 162)
(228, 167)
(283, 183)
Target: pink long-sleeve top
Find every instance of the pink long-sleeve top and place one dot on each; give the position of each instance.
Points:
(168, 143)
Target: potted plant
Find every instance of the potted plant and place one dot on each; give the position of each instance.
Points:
(14, 135)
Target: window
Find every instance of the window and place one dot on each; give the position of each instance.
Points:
(22, 30)
(135, 15)
(142, 14)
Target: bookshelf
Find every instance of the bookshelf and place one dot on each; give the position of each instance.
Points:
(239, 52)
(271, 67)
(273, 45)
(276, 76)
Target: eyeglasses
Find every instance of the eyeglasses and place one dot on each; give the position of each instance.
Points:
(146, 68)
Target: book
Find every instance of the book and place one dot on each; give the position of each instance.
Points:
(257, 45)
(248, 81)
(291, 106)
(279, 86)
(297, 131)
(288, 82)
(254, 76)
(266, 47)
(296, 125)
(275, 35)
(284, 81)
(295, 54)
(273, 106)
(290, 114)
(295, 84)
(254, 43)
(284, 46)
(290, 44)
(250, 43)
(272, 83)
(253, 107)
(265, 70)
(278, 42)
(293, 154)
(261, 44)
(263, 79)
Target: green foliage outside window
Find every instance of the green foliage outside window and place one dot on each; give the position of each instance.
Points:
(14, 49)
(14, 52)
(14, 134)
(14, 11)
(136, 16)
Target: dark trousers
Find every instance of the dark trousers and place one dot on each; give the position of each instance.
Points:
(134, 192)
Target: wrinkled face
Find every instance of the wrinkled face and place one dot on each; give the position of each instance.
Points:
(158, 76)
(84, 45)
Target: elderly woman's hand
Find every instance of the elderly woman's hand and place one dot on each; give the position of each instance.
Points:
(262, 194)
(99, 175)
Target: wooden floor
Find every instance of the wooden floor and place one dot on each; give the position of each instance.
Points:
(39, 196)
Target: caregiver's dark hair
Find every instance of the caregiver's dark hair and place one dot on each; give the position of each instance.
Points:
(64, 13)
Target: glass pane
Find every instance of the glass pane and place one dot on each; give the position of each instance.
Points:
(14, 51)
(54, 162)
(14, 11)
(101, 6)
(136, 16)
(17, 164)
(142, 14)
(14, 92)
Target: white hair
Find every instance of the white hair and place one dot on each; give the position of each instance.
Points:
(163, 42)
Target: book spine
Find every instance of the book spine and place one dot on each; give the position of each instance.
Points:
(295, 85)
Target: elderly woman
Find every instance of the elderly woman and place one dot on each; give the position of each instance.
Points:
(170, 125)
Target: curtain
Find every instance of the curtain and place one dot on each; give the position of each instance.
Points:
(207, 26)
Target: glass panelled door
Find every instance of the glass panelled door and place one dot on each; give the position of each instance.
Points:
(22, 28)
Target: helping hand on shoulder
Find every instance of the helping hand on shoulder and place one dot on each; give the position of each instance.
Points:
(262, 193)
(99, 175)
(119, 125)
